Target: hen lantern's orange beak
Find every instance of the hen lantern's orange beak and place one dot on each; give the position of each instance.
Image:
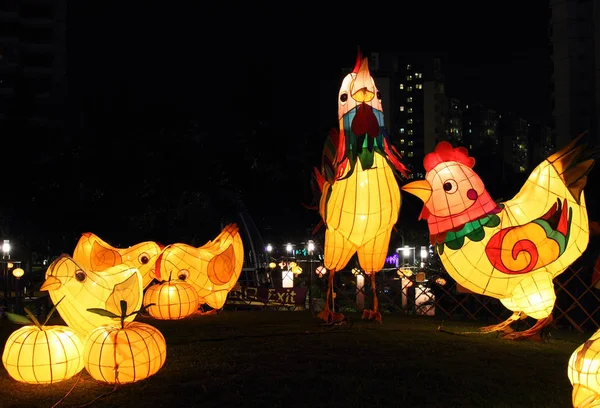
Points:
(420, 188)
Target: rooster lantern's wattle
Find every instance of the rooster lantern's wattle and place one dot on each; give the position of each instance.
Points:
(359, 195)
(511, 250)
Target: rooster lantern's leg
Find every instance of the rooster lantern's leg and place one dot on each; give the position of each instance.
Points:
(328, 313)
(373, 314)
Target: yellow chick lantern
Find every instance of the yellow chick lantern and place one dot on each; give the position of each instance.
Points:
(359, 194)
(212, 269)
(584, 373)
(511, 250)
(81, 289)
(94, 254)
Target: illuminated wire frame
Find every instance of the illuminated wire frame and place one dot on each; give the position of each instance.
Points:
(94, 254)
(511, 250)
(44, 355)
(212, 269)
(83, 289)
(360, 198)
(124, 355)
(172, 300)
(584, 372)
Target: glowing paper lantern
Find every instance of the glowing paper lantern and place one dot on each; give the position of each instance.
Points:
(83, 289)
(320, 271)
(94, 254)
(124, 352)
(584, 372)
(40, 354)
(512, 250)
(171, 300)
(212, 269)
(360, 198)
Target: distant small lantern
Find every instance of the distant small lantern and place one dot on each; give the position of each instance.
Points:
(293, 265)
(282, 265)
(420, 277)
(355, 271)
(403, 272)
(320, 271)
(18, 272)
(272, 265)
(440, 281)
(296, 270)
(10, 265)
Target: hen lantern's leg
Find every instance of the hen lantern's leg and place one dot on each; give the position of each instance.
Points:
(371, 257)
(338, 251)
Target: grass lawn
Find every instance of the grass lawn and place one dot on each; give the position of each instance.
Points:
(289, 359)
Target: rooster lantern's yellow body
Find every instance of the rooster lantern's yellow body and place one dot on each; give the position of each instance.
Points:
(360, 198)
(512, 250)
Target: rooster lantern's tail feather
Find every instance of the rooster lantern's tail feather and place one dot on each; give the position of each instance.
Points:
(573, 163)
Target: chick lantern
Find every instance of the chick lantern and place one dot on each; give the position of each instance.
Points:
(359, 195)
(511, 250)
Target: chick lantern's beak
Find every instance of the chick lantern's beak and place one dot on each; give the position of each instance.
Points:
(420, 188)
(51, 283)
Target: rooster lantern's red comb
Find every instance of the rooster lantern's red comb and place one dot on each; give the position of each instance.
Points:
(444, 152)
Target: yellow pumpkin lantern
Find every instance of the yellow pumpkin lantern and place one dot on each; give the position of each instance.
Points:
(40, 354)
(123, 353)
(584, 372)
(360, 198)
(509, 250)
(171, 300)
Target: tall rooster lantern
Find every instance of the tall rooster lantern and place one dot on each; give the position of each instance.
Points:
(359, 195)
(511, 250)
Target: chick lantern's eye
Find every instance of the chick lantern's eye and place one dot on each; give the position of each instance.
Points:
(144, 258)
(343, 97)
(183, 275)
(450, 186)
(80, 275)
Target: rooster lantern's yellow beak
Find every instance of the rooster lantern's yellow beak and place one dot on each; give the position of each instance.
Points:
(420, 188)
(51, 283)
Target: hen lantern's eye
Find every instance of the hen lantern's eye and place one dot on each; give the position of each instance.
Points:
(344, 97)
(450, 186)
(144, 259)
(183, 275)
(80, 275)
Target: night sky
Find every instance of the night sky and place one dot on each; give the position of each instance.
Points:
(259, 83)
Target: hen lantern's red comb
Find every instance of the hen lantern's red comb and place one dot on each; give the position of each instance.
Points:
(444, 152)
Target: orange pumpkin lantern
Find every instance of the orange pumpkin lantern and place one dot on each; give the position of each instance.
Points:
(123, 352)
(171, 300)
(39, 354)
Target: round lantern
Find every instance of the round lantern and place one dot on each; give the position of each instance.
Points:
(124, 354)
(584, 371)
(172, 300)
(43, 355)
(320, 271)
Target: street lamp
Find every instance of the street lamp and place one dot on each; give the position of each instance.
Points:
(5, 255)
(311, 249)
(6, 249)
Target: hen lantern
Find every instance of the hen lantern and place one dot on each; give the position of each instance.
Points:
(359, 195)
(93, 254)
(212, 269)
(82, 289)
(512, 250)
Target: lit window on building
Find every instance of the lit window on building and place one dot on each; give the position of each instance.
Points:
(409, 89)
(410, 110)
(402, 108)
(410, 131)
(418, 75)
(411, 154)
(409, 121)
(411, 143)
(470, 131)
(521, 169)
(401, 141)
(419, 86)
(401, 86)
(401, 130)
(409, 77)
(409, 67)
(409, 99)
(402, 152)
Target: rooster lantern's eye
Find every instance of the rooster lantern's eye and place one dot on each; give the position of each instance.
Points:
(450, 186)
(183, 275)
(80, 275)
(378, 95)
(144, 259)
(343, 97)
